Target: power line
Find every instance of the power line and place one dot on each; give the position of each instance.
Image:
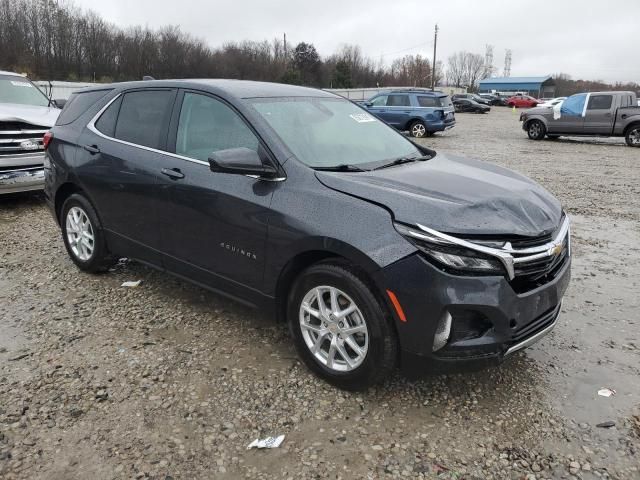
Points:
(407, 49)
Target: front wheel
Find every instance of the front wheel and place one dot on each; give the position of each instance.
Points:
(340, 329)
(418, 129)
(536, 130)
(633, 136)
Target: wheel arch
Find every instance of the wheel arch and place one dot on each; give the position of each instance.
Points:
(329, 250)
(632, 124)
(63, 192)
(536, 117)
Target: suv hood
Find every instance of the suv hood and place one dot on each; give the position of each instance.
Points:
(455, 195)
(40, 116)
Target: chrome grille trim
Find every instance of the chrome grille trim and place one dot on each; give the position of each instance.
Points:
(509, 256)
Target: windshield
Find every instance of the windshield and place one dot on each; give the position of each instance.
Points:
(14, 89)
(330, 132)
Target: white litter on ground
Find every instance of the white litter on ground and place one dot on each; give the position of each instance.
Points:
(606, 392)
(269, 442)
(132, 283)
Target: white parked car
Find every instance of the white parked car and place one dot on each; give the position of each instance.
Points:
(552, 102)
(25, 115)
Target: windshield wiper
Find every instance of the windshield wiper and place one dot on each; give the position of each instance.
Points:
(343, 167)
(401, 160)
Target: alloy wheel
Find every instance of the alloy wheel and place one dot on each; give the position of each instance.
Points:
(535, 129)
(80, 233)
(333, 328)
(418, 130)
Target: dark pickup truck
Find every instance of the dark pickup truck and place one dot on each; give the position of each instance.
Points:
(600, 114)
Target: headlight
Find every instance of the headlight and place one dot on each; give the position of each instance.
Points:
(450, 256)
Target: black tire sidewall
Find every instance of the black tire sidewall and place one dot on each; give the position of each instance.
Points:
(380, 357)
(97, 261)
(627, 136)
(543, 130)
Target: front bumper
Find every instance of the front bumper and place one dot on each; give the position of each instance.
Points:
(490, 321)
(21, 180)
(21, 173)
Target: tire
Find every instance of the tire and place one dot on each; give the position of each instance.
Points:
(632, 136)
(418, 129)
(375, 338)
(79, 222)
(536, 130)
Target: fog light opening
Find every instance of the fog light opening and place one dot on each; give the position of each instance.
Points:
(443, 332)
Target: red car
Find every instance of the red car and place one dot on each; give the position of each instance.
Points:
(522, 101)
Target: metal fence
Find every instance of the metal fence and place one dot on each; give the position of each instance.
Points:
(61, 90)
(366, 93)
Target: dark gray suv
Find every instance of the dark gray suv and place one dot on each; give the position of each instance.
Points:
(377, 251)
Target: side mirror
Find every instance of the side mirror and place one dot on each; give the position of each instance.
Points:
(240, 161)
(368, 104)
(59, 103)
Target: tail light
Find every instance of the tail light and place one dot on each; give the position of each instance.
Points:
(46, 140)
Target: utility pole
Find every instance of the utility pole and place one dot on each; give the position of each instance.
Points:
(285, 45)
(433, 66)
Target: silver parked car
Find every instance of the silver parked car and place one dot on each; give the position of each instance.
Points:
(25, 115)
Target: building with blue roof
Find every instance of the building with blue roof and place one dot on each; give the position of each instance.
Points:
(539, 87)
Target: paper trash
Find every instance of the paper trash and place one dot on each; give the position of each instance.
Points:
(132, 284)
(269, 442)
(606, 392)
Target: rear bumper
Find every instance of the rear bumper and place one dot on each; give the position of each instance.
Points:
(490, 321)
(441, 126)
(21, 180)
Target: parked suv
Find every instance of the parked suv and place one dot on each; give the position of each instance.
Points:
(421, 112)
(25, 115)
(470, 96)
(374, 249)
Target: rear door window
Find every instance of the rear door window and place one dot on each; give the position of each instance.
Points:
(398, 101)
(425, 101)
(77, 104)
(144, 116)
(600, 102)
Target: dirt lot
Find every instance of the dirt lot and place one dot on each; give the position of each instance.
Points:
(170, 381)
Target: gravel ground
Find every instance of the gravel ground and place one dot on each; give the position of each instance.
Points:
(169, 381)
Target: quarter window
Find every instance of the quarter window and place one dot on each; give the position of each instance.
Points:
(144, 116)
(207, 125)
(599, 102)
(107, 121)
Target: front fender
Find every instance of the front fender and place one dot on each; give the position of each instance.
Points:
(529, 118)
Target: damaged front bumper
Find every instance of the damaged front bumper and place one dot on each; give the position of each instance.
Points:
(21, 173)
(21, 180)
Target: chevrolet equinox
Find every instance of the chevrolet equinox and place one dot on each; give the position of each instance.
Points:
(377, 251)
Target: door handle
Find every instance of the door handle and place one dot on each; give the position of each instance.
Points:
(92, 149)
(623, 116)
(173, 173)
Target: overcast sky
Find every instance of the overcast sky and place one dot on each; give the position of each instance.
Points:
(585, 38)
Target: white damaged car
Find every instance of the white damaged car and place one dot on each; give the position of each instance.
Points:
(26, 114)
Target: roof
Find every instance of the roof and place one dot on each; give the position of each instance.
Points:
(4, 72)
(422, 91)
(509, 80)
(235, 88)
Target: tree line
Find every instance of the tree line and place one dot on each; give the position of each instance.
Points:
(58, 41)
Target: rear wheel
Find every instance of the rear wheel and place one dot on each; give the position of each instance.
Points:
(536, 130)
(83, 236)
(633, 136)
(340, 329)
(418, 129)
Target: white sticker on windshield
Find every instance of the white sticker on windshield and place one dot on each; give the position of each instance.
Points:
(363, 117)
(21, 84)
